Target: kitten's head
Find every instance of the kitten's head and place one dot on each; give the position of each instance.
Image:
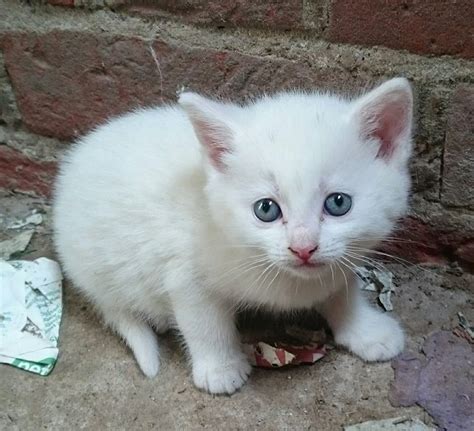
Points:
(307, 179)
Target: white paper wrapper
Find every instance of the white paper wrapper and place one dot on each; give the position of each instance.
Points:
(30, 314)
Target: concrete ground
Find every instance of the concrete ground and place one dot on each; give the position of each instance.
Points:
(96, 383)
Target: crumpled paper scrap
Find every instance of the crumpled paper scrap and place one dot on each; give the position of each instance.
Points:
(30, 314)
(464, 329)
(395, 424)
(17, 244)
(11, 248)
(379, 281)
(265, 355)
(278, 354)
(35, 218)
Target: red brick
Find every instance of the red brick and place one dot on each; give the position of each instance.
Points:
(416, 242)
(458, 159)
(19, 172)
(466, 252)
(68, 3)
(275, 14)
(426, 27)
(444, 237)
(67, 82)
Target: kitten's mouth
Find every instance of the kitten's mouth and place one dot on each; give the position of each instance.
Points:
(306, 270)
(308, 264)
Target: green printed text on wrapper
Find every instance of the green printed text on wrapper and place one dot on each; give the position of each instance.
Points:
(30, 314)
(43, 367)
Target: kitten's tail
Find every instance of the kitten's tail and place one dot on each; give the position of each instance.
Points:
(139, 337)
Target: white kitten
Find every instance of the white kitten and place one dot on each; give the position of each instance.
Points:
(273, 212)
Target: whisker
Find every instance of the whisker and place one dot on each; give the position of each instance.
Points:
(332, 276)
(348, 264)
(405, 263)
(272, 280)
(345, 279)
(320, 279)
(262, 283)
(386, 239)
(241, 269)
(251, 286)
(366, 260)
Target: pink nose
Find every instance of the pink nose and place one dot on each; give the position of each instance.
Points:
(303, 253)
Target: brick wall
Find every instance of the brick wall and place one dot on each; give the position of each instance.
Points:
(66, 65)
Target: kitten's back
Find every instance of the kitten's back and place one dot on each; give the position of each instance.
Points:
(112, 209)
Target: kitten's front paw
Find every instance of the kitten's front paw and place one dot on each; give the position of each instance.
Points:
(221, 377)
(376, 338)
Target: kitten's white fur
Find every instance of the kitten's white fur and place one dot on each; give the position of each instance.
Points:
(156, 231)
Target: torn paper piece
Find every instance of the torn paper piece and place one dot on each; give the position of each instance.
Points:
(30, 314)
(395, 424)
(371, 287)
(464, 330)
(385, 297)
(34, 218)
(364, 273)
(17, 244)
(376, 280)
(278, 355)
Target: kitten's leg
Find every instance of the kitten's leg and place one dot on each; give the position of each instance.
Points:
(369, 333)
(219, 365)
(163, 323)
(139, 337)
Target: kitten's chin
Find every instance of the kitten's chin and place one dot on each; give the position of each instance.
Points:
(307, 271)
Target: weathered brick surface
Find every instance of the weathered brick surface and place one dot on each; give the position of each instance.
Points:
(274, 14)
(92, 4)
(61, 83)
(426, 27)
(432, 234)
(67, 3)
(21, 173)
(458, 173)
(67, 82)
(465, 251)
(439, 232)
(415, 241)
(9, 115)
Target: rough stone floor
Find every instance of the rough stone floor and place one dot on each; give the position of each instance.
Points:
(96, 384)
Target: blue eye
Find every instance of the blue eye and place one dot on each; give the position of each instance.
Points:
(267, 210)
(338, 204)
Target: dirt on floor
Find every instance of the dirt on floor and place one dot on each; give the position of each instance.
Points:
(97, 385)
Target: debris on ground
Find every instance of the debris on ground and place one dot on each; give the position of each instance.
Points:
(279, 355)
(12, 247)
(30, 314)
(395, 424)
(35, 218)
(378, 280)
(464, 329)
(308, 348)
(441, 380)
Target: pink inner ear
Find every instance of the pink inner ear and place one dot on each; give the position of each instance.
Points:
(390, 124)
(387, 121)
(215, 139)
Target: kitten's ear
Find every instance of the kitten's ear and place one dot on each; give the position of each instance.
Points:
(385, 115)
(211, 124)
